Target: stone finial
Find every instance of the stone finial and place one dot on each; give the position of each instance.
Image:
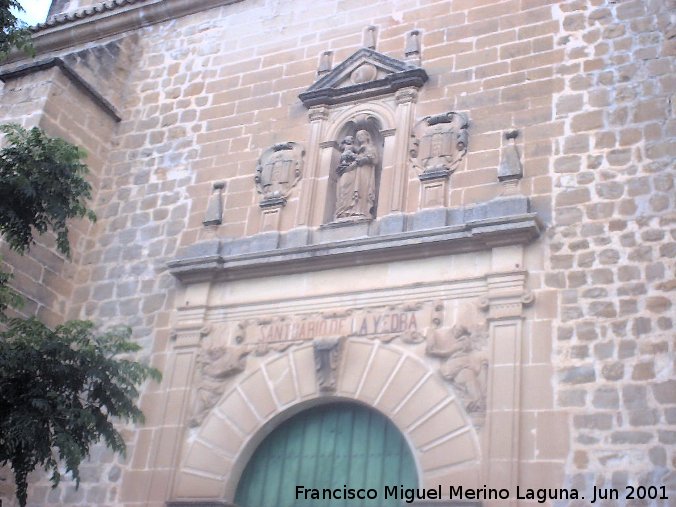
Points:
(325, 63)
(370, 37)
(510, 170)
(214, 214)
(412, 49)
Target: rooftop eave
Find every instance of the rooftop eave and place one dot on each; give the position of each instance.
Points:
(107, 19)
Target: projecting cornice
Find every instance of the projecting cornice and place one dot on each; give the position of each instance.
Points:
(109, 18)
(428, 233)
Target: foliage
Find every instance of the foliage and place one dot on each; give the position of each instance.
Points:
(59, 390)
(13, 33)
(43, 185)
(8, 296)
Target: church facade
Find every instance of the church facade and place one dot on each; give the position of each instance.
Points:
(382, 252)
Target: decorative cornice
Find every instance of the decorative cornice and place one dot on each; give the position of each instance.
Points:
(71, 74)
(470, 236)
(109, 18)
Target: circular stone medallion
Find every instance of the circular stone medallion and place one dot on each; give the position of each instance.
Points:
(364, 73)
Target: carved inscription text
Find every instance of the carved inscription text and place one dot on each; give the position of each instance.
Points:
(344, 326)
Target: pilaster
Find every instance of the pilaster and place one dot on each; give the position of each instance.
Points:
(504, 304)
(165, 450)
(405, 99)
(318, 116)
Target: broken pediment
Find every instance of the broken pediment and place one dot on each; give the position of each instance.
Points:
(366, 73)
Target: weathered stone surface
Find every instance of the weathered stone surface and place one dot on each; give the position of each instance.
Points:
(665, 392)
(578, 375)
(586, 83)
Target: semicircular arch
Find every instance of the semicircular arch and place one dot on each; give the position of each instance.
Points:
(385, 377)
(381, 112)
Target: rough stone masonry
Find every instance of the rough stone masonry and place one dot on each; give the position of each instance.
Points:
(171, 97)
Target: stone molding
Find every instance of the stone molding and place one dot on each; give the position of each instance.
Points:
(109, 18)
(505, 302)
(71, 74)
(400, 237)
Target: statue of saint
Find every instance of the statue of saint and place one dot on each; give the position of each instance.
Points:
(356, 186)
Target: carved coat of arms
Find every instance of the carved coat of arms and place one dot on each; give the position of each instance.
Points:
(439, 144)
(278, 170)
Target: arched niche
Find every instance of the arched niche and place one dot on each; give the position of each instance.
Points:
(356, 168)
(390, 92)
(382, 376)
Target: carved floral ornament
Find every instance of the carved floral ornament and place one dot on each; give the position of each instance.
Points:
(461, 350)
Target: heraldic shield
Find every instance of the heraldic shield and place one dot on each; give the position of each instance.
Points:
(440, 143)
(278, 170)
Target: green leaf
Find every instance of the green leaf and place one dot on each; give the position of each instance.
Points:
(43, 186)
(60, 391)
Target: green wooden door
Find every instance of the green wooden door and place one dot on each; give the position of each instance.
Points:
(331, 446)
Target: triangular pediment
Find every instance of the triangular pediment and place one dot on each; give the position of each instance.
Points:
(365, 73)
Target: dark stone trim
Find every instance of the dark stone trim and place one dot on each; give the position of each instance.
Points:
(271, 202)
(75, 78)
(389, 84)
(429, 233)
(324, 91)
(434, 174)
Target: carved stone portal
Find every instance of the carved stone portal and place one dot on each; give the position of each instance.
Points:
(278, 171)
(327, 357)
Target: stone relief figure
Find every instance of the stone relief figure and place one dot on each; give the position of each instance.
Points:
(278, 170)
(215, 365)
(356, 171)
(464, 363)
(439, 143)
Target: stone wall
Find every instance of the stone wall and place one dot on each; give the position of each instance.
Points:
(588, 84)
(51, 99)
(612, 243)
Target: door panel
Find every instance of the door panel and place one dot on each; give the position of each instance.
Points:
(330, 446)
